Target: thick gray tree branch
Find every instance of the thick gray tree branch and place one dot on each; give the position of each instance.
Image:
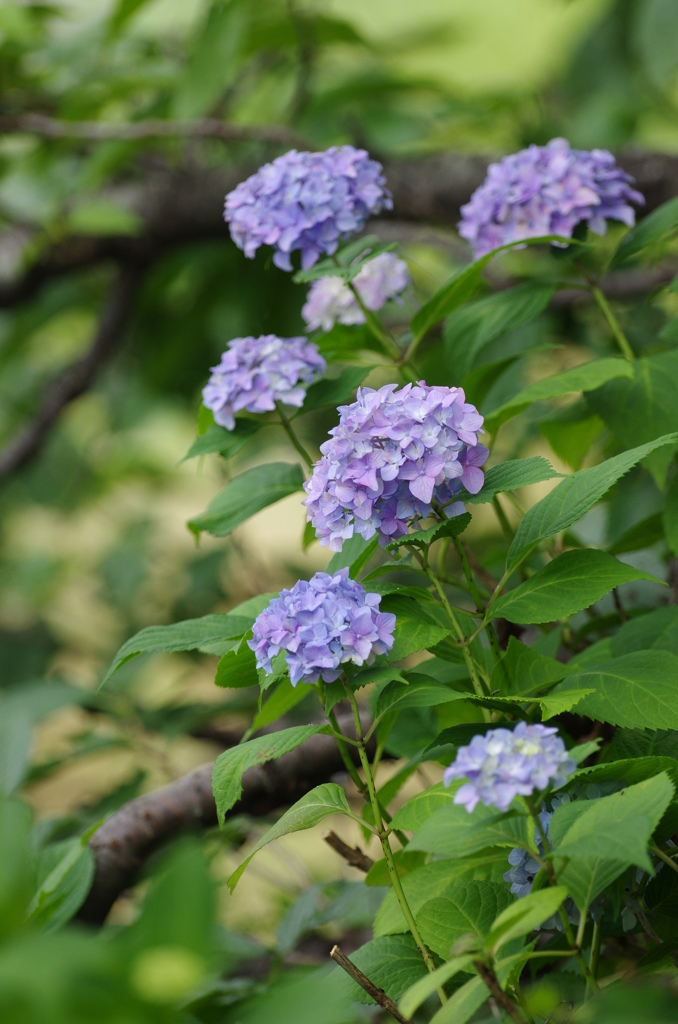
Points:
(181, 205)
(129, 837)
(78, 377)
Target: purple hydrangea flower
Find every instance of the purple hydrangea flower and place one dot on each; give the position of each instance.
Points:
(330, 301)
(547, 190)
(306, 201)
(255, 373)
(502, 765)
(391, 456)
(321, 624)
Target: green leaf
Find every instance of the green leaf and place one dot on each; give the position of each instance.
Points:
(465, 908)
(307, 812)
(15, 747)
(471, 328)
(462, 1005)
(649, 230)
(392, 962)
(414, 629)
(463, 285)
(670, 514)
(283, 699)
(644, 407)
(452, 832)
(571, 582)
(122, 12)
(230, 766)
(425, 987)
(246, 495)
(238, 667)
(424, 538)
(214, 61)
(524, 916)
(355, 554)
(425, 883)
(597, 837)
(587, 377)
(218, 439)
(65, 873)
(509, 476)
(420, 807)
(641, 535)
(189, 635)
(524, 671)
(419, 693)
(637, 691)
(573, 497)
(335, 391)
(103, 217)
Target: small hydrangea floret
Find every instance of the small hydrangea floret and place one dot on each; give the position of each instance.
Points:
(255, 373)
(330, 301)
(504, 764)
(322, 624)
(393, 454)
(306, 201)
(547, 190)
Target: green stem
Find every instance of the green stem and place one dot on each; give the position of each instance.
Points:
(506, 527)
(595, 948)
(567, 929)
(477, 600)
(385, 845)
(468, 657)
(613, 323)
(287, 427)
(664, 856)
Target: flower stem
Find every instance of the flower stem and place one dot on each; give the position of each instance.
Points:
(468, 657)
(289, 430)
(619, 335)
(385, 845)
(477, 600)
(591, 982)
(664, 857)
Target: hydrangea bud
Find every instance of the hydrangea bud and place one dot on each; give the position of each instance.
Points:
(330, 301)
(502, 765)
(391, 456)
(306, 201)
(322, 624)
(255, 373)
(547, 190)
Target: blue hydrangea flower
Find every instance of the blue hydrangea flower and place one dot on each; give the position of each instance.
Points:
(391, 456)
(502, 765)
(330, 301)
(255, 373)
(320, 625)
(547, 190)
(306, 201)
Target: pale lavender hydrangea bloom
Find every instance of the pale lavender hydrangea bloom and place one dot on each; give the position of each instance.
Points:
(547, 190)
(255, 373)
(320, 625)
(330, 301)
(391, 456)
(306, 201)
(502, 765)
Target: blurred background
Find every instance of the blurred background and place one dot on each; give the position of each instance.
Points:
(120, 287)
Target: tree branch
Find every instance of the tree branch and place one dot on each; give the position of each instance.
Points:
(77, 378)
(184, 205)
(372, 990)
(353, 855)
(155, 128)
(130, 836)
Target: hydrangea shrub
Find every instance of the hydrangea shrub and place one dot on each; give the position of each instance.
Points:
(465, 624)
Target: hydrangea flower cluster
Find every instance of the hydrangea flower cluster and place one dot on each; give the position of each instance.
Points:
(502, 765)
(255, 373)
(392, 454)
(320, 625)
(330, 301)
(306, 201)
(547, 190)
